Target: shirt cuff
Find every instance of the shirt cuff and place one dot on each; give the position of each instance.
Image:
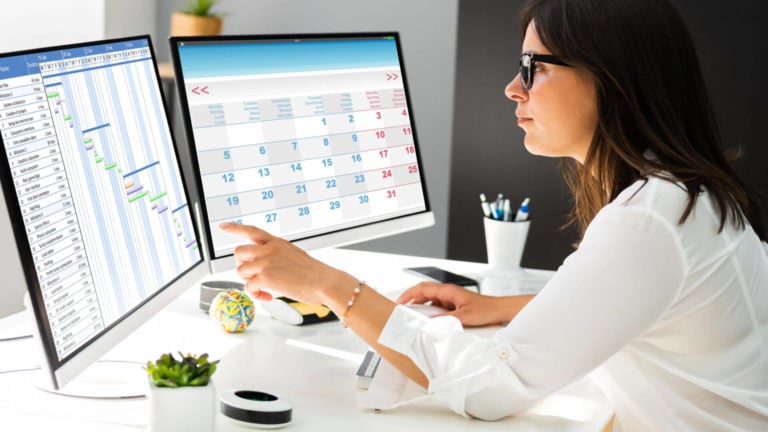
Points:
(404, 327)
(460, 366)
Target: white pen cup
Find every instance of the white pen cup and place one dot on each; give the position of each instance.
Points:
(505, 242)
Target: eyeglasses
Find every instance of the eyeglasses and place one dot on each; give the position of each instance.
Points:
(528, 67)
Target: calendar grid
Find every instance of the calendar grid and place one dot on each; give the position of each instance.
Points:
(315, 202)
(301, 142)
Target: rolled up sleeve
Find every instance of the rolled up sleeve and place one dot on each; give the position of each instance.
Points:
(468, 374)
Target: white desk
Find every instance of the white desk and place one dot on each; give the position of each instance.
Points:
(284, 360)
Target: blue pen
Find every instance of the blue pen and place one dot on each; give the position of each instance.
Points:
(522, 212)
(499, 214)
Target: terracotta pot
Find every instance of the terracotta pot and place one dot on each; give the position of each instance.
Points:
(191, 25)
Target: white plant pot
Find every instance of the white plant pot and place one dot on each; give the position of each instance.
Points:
(188, 409)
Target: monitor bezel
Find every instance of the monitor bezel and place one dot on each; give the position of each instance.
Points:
(339, 237)
(61, 372)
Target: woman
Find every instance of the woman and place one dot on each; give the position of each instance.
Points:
(666, 298)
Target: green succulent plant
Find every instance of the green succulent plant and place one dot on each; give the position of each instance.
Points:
(200, 7)
(191, 370)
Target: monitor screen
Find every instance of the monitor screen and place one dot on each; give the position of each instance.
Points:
(91, 179)
(310, 137)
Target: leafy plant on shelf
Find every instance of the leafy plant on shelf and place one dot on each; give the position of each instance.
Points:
(190, 371)
(200, 7)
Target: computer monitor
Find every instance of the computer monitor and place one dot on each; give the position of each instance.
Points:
(100, 215)
(310, 137)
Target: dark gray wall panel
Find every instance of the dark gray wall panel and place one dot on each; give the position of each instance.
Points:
(488, 153)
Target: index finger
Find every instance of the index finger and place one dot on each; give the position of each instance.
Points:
(250, 232)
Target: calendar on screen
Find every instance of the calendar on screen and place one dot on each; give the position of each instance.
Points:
(300, 136)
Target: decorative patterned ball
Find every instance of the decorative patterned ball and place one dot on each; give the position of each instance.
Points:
(232, 309)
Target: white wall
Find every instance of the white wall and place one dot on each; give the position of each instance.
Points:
(131, 18)
(31, 24)
(36, 23)
(12, 285)
(428, 36)
(428, 30)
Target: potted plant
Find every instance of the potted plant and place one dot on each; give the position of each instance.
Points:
(182, 396)
(196, 19)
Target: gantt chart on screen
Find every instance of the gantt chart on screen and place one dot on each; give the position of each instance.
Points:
(96, 177)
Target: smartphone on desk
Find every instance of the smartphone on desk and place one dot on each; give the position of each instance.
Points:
(436, 274)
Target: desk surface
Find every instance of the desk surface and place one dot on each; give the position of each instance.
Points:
(313, 367)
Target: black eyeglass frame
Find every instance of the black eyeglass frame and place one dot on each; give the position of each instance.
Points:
(528, 70)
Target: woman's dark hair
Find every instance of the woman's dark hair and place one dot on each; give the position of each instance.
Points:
(651, 95)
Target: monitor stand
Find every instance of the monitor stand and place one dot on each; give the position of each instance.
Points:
(105, 379)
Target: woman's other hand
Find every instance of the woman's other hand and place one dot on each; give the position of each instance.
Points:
(470, 308)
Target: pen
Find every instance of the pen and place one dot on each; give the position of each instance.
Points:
(485, 206)
(522, 212)
(507, 210)
(499, 215)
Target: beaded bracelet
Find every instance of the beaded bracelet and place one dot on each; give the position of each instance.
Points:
(351, 301)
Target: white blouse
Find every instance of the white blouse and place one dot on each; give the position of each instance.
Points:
(672, 318)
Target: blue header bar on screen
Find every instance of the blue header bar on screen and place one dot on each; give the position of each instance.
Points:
(265, 57)
(26, 64)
